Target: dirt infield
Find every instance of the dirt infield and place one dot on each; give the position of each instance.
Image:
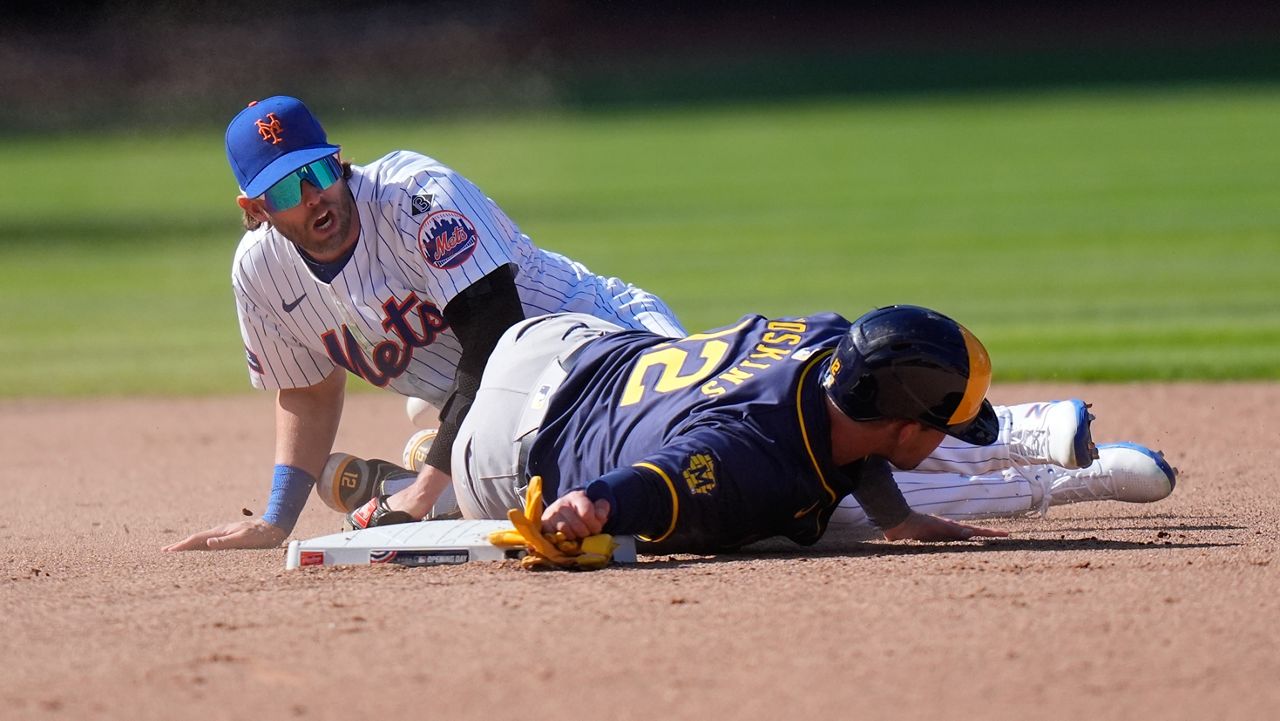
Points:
(1101, 611)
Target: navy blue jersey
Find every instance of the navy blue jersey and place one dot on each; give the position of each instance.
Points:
(703, 443)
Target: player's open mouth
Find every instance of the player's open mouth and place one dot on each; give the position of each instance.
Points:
(324, 222)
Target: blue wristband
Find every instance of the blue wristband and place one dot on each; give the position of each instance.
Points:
(289, 488)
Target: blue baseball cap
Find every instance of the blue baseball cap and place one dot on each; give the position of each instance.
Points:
(272, 138)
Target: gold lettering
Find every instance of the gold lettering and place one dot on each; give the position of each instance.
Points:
(781, 338)
(764, 351)
(736, 376)
(794, 326)
(671, 360)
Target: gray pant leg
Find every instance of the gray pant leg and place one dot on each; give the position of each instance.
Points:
(522, 372)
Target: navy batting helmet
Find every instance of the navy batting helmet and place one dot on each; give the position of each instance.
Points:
(904, 361)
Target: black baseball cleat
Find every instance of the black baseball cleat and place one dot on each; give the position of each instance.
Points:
(374, 513)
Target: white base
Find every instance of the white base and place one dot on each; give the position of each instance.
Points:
(427, 543)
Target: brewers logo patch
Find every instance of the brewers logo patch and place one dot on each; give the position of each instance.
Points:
(700, 474)
(447, 238)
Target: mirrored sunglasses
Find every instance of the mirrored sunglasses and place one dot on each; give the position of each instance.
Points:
(288, 191)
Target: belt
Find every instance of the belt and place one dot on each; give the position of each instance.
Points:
(523, 447)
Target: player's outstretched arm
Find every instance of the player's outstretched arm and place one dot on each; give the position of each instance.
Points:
(240, 534)
(922, 527)
(306, 423)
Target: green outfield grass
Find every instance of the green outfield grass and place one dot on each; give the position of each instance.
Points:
(1096, 236)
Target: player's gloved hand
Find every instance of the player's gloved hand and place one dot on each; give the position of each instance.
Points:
(240, 534)
(922, 527)
(551, 550)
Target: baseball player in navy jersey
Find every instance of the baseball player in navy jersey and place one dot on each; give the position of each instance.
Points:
(762, 429)
(401, 272)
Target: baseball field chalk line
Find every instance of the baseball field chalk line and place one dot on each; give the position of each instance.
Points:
(427, 543)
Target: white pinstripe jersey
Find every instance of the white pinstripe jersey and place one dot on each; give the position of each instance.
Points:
(425, 234)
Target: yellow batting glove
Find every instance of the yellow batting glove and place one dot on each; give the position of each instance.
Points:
(553, 549)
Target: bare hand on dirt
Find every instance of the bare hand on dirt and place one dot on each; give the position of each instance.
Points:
(922, 527)
(240, 534)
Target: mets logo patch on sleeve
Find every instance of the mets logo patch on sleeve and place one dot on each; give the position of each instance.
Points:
(447, 238)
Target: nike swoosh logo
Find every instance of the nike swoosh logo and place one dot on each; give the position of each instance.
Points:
(288, 307)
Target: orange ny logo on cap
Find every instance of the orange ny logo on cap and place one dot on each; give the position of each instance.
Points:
(270, 131)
